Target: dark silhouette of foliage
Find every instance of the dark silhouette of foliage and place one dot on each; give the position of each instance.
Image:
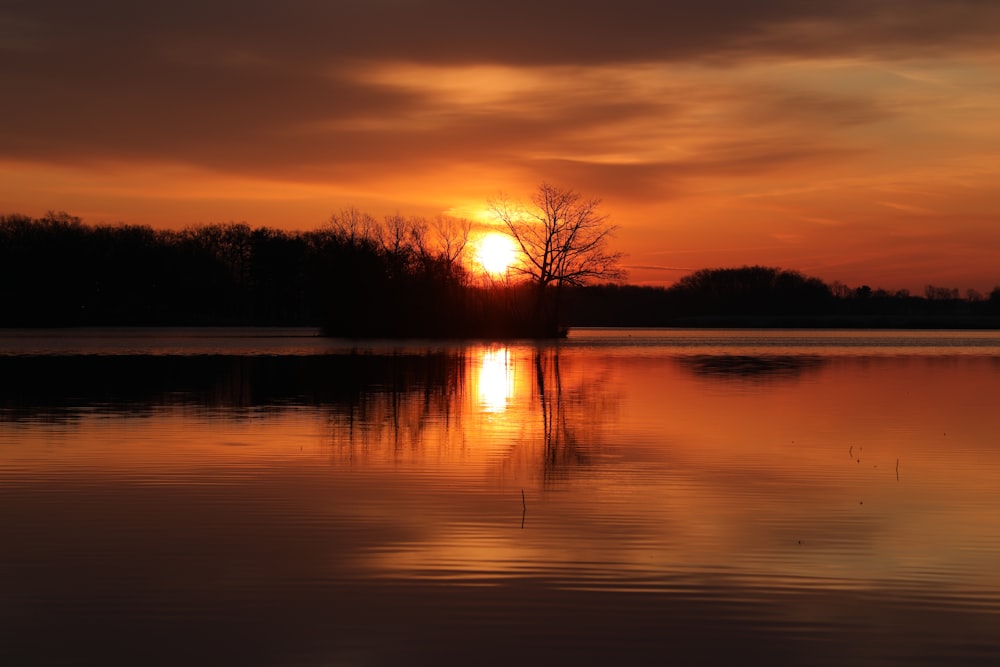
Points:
(751, 290)
(56, 271)
(757, 296)
(404, 277)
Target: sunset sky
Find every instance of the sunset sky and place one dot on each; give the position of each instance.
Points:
(852, 140)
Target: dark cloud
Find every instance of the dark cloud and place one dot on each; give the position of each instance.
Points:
(515, 32)
(229, 84)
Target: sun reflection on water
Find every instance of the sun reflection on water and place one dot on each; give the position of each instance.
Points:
(496, 380)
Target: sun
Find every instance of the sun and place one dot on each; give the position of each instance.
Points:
(496, 252)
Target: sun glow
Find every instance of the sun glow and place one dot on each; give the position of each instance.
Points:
(496, 252)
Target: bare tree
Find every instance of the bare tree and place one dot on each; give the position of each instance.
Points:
(564, 241)
(934, 293)
(397, 234)
(452, 237)
(563, 237)
(354, 226)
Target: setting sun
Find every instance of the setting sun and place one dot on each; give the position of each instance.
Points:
(496, 252)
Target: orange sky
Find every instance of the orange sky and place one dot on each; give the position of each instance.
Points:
(856, 141)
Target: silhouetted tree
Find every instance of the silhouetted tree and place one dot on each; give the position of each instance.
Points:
(564, 241)
(353, 226)
(452, 238)
(934, 293)
(750, 290)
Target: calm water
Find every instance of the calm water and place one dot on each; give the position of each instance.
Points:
(622, 497)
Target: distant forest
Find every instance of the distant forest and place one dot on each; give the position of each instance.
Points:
(391, 282)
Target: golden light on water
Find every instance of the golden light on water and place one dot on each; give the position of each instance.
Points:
(496, 380)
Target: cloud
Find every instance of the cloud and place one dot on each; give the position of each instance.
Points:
(305, 85)
(519, 32)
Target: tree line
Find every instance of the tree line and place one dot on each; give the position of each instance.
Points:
(407, 276)
(353, 277)
(753, 296)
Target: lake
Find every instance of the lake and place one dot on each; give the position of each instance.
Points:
(272, 497)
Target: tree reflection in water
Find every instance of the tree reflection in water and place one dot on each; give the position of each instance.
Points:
(409, 400)
(747, 366)
(558, 437)
(577, 404)
(510, 407)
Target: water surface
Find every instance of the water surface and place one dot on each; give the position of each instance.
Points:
(626, 496)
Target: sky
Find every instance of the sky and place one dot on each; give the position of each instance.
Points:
(851, 140)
